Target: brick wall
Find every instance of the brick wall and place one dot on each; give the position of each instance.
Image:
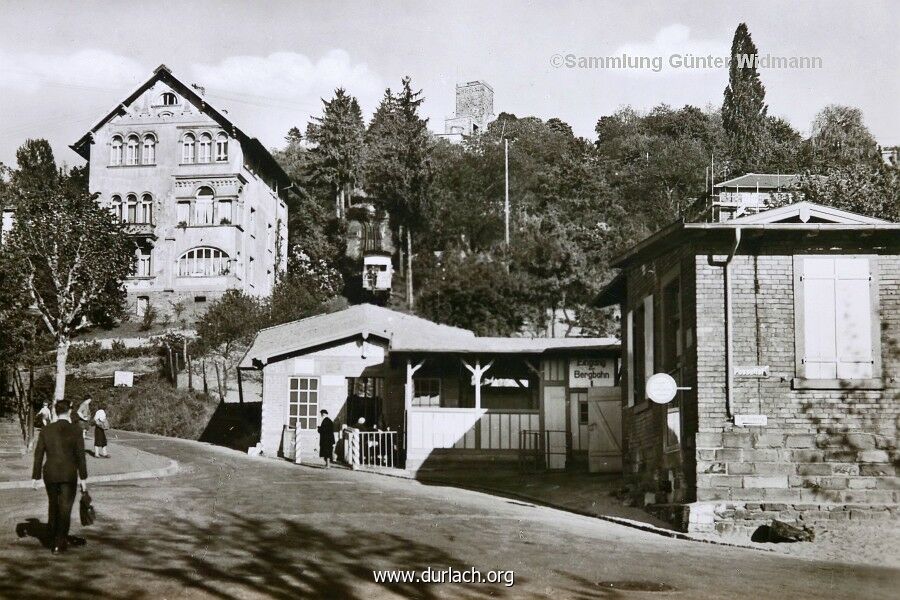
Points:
(825, 454)
(652, 474)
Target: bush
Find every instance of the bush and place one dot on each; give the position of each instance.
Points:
(151, 406)
(81, 354)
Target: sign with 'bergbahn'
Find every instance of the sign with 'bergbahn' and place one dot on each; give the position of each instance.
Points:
(592, 372)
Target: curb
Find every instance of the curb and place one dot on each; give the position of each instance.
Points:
(678, 535)
(172, 468)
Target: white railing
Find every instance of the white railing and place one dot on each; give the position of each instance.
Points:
(468, 428)
(370, 448)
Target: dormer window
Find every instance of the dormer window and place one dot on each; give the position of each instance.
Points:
(168, 99)
(115, 151)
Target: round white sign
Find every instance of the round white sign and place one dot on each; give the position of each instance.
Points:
(661, 388)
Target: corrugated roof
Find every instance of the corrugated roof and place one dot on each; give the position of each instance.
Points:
(762, 181)
(294, 337)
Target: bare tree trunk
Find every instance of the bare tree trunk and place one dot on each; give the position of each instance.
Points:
(218, 381)
(62, 354)
(409, 269)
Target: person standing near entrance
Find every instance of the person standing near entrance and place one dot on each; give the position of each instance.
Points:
(62, 445)
(326, 438)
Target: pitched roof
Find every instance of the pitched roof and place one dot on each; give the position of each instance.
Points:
(358, 320)
(504, 345)
(794, 219)
(805, 212)
(404, 333)
(762, 181)
(251, 145)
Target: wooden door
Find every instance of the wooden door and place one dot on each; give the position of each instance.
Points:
(605, 430)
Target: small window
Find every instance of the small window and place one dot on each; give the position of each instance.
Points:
(143, 305)
(183, 212)
(303, 403)
(199, 299)
(225, 215)
(672, 438)
(427, 392)
(221, 147)
(187, 148)
(115, 151)
(132, 150)
(204, 148)
(582, 412)
(168, 99)
(148, 155)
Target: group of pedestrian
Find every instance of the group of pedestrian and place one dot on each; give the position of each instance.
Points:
(85, 420)
(59, 460)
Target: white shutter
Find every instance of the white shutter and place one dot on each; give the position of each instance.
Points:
(837, 319)
(853, 318)
(648, 339)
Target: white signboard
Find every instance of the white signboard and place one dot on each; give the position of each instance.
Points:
(123, 379)
(751, 420)
(759, 371)
(592, 372)
(661, 388)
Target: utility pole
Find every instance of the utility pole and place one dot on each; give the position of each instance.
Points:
(506, 200)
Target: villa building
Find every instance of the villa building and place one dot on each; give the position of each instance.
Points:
(206, 204)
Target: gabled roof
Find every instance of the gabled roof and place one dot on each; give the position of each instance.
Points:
(359, 320)
(805, 212)
(251, 146)
(794, 219)
(403, 333)
(766, 181)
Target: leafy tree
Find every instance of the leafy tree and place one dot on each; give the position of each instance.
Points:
(337, 143)
(476, 293)
(840, 139)
(744, 109)
(872, 190)
(36, 168)
(398, 163)
(228, 327)
(71, 257)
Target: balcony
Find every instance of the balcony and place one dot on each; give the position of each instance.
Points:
(143, 230)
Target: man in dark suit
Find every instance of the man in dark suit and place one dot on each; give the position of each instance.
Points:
(65, 466)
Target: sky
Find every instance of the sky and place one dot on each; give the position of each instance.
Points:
(64, 65)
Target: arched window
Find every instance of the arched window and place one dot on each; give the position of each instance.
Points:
(148, 156)
(221, 147)
(115, 207)
(130, 214)
(132, 150)
(168, 99)
(204, 153)
(115, 151)
(187, 149)
(204, 207)
(203, 262)
(145, 210)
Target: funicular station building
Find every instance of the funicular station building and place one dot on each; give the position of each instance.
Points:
(433, 395)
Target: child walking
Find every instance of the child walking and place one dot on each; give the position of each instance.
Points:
(101, 424)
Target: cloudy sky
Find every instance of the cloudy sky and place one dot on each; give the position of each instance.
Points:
(63, 65)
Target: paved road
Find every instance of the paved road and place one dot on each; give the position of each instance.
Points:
(235, 527)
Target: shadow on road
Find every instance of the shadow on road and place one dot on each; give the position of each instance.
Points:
(235, 556)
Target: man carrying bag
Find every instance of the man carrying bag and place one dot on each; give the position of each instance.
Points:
(62, 444)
